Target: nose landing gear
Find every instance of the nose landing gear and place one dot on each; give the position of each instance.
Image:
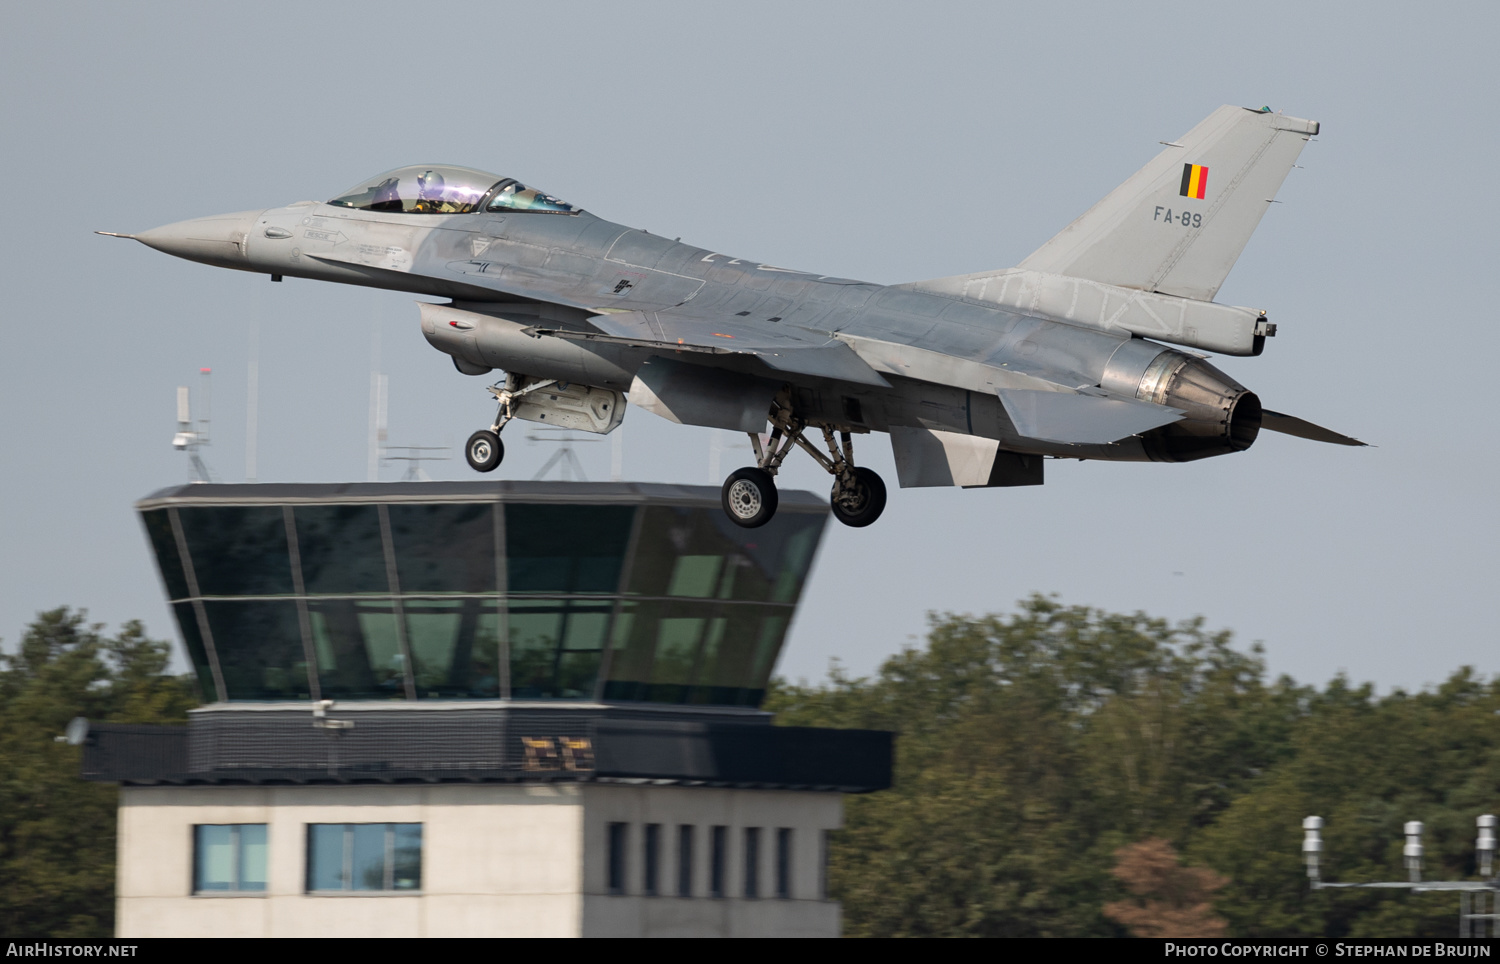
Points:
(749, 494)
(484, 450)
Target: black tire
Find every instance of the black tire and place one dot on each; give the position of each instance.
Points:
(749, 497)
(484, 450)
(864, 503)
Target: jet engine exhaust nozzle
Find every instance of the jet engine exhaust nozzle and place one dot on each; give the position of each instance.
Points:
(1222, 415)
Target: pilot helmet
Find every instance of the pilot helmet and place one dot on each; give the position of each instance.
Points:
(430, 184)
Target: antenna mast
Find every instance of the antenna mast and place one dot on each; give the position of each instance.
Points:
(188, 438)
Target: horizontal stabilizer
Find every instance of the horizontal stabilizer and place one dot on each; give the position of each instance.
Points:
(1082, 419)
(1291, 425)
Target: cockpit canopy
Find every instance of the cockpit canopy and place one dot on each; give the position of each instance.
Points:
(438, 189)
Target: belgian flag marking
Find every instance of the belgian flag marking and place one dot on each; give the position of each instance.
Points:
(1194, 180)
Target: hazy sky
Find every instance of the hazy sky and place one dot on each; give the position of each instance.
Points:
(887, 142)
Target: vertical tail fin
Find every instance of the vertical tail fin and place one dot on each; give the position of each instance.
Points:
(1179, 224)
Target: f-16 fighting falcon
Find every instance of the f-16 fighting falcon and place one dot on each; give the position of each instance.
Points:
(977, 379)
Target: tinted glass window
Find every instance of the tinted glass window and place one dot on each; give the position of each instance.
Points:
(340, 549)
(444, 548)
(717, 861)
(406, 855)
(325, 856)
(423, 189)
(260, 649)
(617, 858)
(214, 865)
(367, 857)
(555, 647)
(676, 656)
(168, 560)
(455, 646)
(752, 861)
(364, 856)
(738, 653)
(187, 625)
(678, 550)
(566, 548)
(229, 858)
(698, 553)
(358, 648)
(684, 860)
(673, 652)
(238, 550)
(515, 196)
(784, 863)
(252, 863)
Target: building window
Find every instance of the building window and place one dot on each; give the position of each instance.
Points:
(364, 857)
(617, 858)
(827, 845)
(653, 862)
(752, 861)
(784, 863)
(717, 861)
(684, 860)
(229, 858)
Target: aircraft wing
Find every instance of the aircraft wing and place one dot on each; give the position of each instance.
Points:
(785, 348)
(1291, 425)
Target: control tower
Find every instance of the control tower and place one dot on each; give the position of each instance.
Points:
(479, 709)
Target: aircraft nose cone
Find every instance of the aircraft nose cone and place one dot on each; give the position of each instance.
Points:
(217, 240)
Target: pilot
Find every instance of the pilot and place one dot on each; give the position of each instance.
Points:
(430, 188)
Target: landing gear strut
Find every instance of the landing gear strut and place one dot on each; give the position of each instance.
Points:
(749, 494)
(484, 450)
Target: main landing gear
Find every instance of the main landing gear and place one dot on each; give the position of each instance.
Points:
(749, 494)
(484, 450)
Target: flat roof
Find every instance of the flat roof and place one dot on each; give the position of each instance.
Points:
(506, 490)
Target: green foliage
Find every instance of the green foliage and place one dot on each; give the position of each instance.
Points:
(57, 833)
(1031, 747)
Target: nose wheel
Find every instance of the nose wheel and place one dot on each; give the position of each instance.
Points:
(484, 451)
(749, 494)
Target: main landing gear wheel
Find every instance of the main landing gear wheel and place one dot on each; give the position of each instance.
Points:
(749, 497)
(484, 451)
(859, 499)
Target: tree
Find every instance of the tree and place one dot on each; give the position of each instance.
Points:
(1029, 748)
(1171, 900)
(1032, 747)
(57, 832)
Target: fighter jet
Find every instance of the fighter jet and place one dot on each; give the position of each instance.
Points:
(977, 379)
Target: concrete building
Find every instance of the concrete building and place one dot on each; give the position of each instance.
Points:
(454, 709)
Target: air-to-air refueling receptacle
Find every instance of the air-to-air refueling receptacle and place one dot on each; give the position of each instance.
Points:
(976, 378)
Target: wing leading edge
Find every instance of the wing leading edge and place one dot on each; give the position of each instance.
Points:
(786, 348)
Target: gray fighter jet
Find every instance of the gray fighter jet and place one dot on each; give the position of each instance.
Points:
(977, 378)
